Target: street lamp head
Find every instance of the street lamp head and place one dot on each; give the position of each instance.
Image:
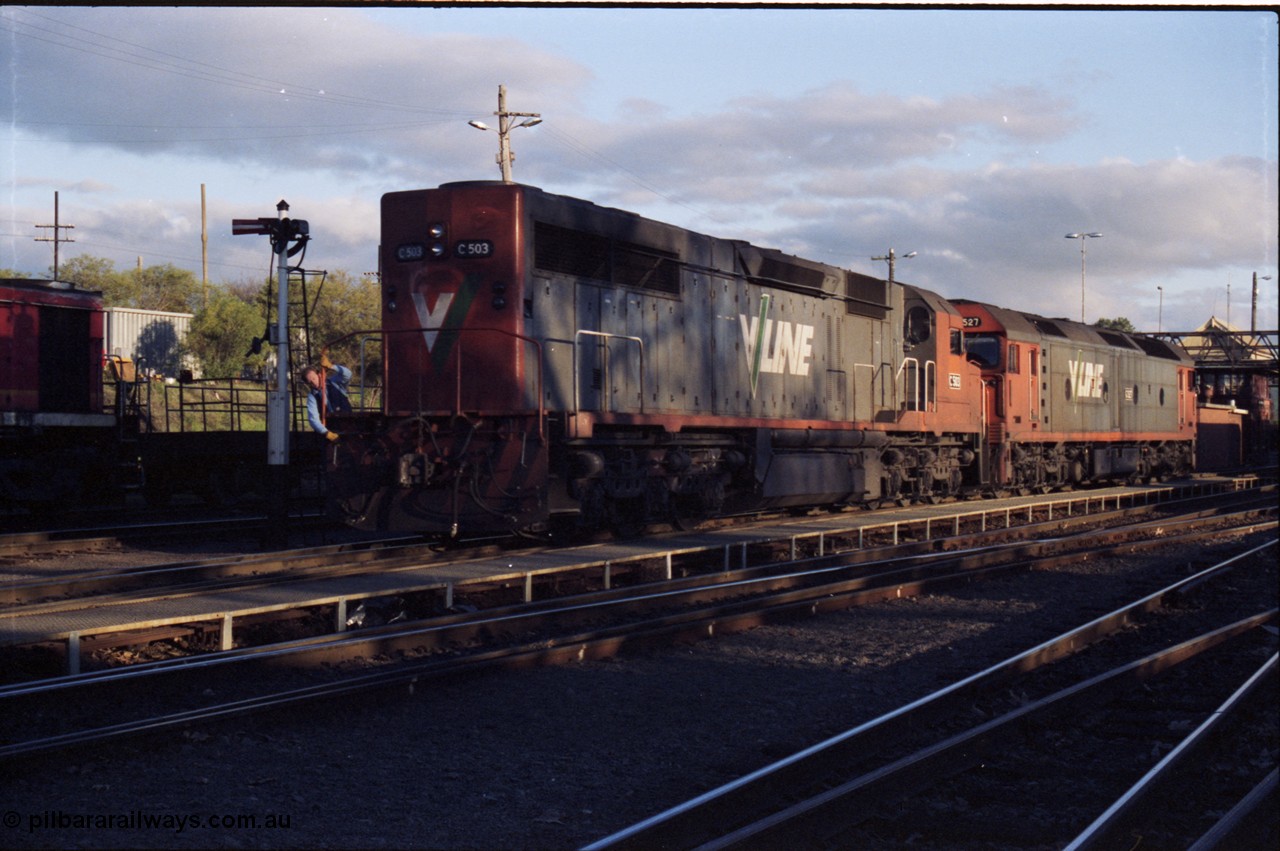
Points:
(911, 254)
(1081, 235)
(529, 122)
(479, 125)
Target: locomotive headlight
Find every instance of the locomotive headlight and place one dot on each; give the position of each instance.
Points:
(438, 247)
(499, 302)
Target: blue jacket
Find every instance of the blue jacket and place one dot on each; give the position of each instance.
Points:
(335, 397)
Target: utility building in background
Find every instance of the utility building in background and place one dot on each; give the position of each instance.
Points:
(151, 339)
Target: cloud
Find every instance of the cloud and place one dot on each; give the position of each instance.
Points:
(340, 92)
(345, 108)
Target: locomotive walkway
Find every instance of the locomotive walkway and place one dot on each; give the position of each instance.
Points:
(601, 563)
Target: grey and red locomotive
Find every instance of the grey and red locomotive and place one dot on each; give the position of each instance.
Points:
(546, 358)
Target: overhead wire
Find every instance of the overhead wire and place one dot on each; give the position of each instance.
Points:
(153, 59)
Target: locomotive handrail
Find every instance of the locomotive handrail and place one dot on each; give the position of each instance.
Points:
(921, 399)
(577, 406)
(364, 369)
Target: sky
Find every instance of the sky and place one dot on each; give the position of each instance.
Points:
(976, 139)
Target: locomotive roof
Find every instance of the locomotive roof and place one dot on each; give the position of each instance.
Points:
(1033, 328)
(766, 266)
(935, 301)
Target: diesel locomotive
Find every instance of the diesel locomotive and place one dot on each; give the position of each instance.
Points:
(548, 359)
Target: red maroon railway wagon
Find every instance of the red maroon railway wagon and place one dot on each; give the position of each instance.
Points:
(548, 357)
(54, 437)
(66, 440)
(1066, 402)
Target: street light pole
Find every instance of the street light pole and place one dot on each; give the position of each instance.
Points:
(505, 127)
(1160, 315)
(1082, 237)
(1253, 314)
(891, 257)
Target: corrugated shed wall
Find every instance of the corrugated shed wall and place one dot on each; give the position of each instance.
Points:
(151, 338)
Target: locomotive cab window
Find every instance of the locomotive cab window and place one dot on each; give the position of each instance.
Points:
(983, 348)
(918, 327)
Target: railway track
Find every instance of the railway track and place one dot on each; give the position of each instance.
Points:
(943, 769)
(596, 625)
(186, 525)
(132, 607)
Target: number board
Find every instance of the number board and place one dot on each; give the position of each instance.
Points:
(473, 248)
(410, 252)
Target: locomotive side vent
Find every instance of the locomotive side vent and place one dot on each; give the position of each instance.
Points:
(589, 255)
(1044, 326)
(866, 296)
(1157, 348)
(649, 268)
(570, 252)
(1118, 340)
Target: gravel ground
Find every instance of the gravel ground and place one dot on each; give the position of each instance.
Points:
(549, 758)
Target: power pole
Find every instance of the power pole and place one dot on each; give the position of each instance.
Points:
(505, 127)
(204, 250)
(57, 238)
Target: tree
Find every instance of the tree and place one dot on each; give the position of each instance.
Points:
(221, 334)
(339, 305)
(165, 288)
(345, 305)
(1120, 323)
(152, 288)
(99, 273)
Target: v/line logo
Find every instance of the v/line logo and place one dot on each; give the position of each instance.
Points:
(440, 321)
(431, 319)
(1086, 379)
(775, 347)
